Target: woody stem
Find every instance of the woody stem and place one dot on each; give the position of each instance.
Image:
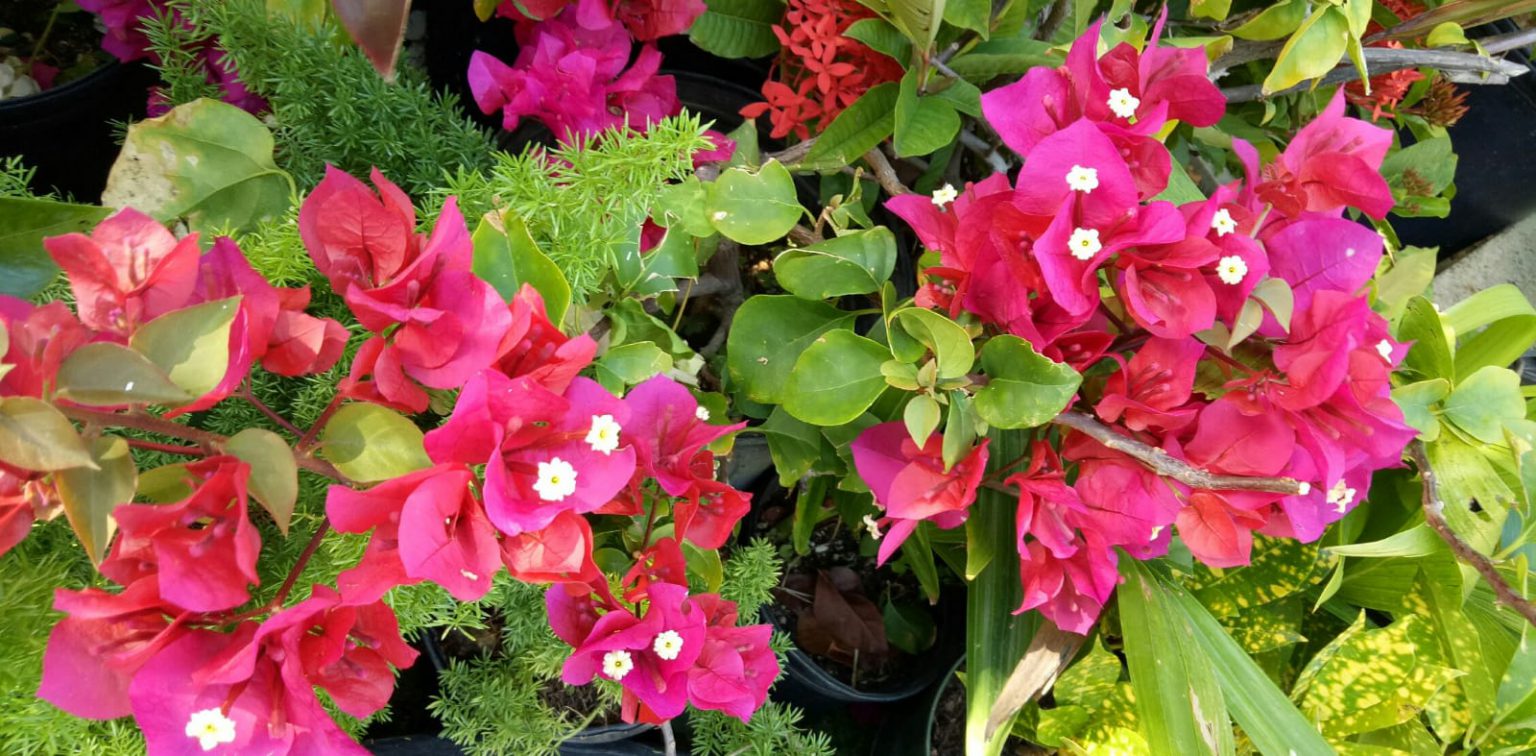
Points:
(1434, 516)
(298, 567)
(282, 422)
(190, 451)
(308, 438)
(1166, 465)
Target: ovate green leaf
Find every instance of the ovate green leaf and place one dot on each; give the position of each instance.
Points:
(369, 443)
(90, 494)
(836, 378)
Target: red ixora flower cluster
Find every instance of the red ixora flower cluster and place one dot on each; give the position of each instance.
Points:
(1306, 397)
(820, 71)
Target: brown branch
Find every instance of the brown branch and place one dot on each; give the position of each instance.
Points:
(1434, 516)
(149, 423)
(1053, 19)
(282, 422)
(1166, 465)
(1381, 60)
(885, 174)
(794, 153)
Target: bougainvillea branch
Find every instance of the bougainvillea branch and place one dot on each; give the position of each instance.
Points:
(1162, 463)
(1434, 516)
(1381, 60)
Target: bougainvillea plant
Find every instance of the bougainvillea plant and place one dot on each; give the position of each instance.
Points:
(529, 449)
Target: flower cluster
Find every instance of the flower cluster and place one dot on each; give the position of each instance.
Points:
(573, 73)
(1253, 349)
(125, 39)
(646, 20)
(820, 71)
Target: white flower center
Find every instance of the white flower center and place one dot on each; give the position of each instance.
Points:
(1384, 348)
(944, 195)
(1084, 243)
(210, 728)
(604, 435)
(1341, 496)
(1082, 179)
(1231, 269)
(557, 480)
(702, 413)
(873, 526)
(617, 664)
(668, 645)
(1123, 103)
(1222, 222)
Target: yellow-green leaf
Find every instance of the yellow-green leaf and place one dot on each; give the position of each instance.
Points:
(369, 443)
(191, 344)
(35, 436)
(1366, 680)
(105, 374)
(90, 494)
(1313, 51)
(274, 475)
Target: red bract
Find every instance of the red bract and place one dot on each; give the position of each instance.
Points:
(570, 74)
(201, 551)
(911, 484)
(23, 496)
(670, 433)
(1333, 162)
(559, 553)
(1153, 389)
(40, 338)
(535, 347)
(127, 272)
(94, 652)
(279, 333)
(647, 20)
(427, 525)
(736, 667)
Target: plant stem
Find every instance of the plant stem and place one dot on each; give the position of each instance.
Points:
(298, 567)
(885, 174)
(1434, 516)
(1381, 60)
(282, 422)
(1166, 465)
(308, 438)
(190, 451)
(42, 39)
(669, 742)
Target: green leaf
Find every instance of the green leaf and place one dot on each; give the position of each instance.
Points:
(646, 274)
(1516, 699)
(705, 565)
(1024, 389)
(921, 417)
(1181, 706)
(909, 626)
(1002, 56)
(1278, 568)
(1487, 306)
(753, 207)
(857, 262)
(191, 344)
(25, 267)
(369, 443)
(810, 509)
(35, 436)
(919, 19)
(629, 364)
(949, 342)
(768, 335)
(1366, 680)
(1412, 270)
(1276, 296)
(1213, 9)
(796, 447)
(682, 205)
(738, 28)
(995, 637)
(165, 484)
(1498, 345)
(274, 474)
(918, 554)
(1276, 21)
(206, 161)
(959, 430)
(857, 130)
(1480, 404)
(969, 14)
(506, 257)
(923, 123)
(835, 379)
(1312, 52)
(1416, 541)
(880, 36)
(90, 494)
(1430, 354)
(1181, 189)
(104, 374)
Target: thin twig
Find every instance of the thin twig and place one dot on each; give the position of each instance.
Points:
(804, 236)
(1053, 19)
(794, 153)
(1434, 516)
(314, 430)
(885, 174)
(1166, 465)
(976, 144)
(669, 742)
(282, 422)
(298, 567)
(1380, 60)
(1507, 42)
(190, 451)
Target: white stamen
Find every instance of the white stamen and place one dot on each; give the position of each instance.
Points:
(1384, 348)
(944, 195)
(702, 413)
(668, 645)
(1084, 243)
(210, 728)
(604, 434)
(557, 480)
(873, 526)
(1082, 179)
(1231, 269)
(1222, 222)
(1123, 103)
(617, 664)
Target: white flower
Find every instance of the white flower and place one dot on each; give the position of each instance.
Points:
(617, 664)
(1222, 222)
(873, 526)
(1123, 103)
(1084, 243)
(668, 645)
(944, 195)
(1341, 496)
(1231, 269)
(1083, 179)
(1384, 348)
(702, 413)
(604, 435)
(210, 728)
(557, 480)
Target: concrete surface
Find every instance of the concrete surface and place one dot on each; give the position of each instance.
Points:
(1508, 257)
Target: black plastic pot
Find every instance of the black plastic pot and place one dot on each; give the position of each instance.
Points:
(1494, 173)
(909, 731)
(66, 132)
